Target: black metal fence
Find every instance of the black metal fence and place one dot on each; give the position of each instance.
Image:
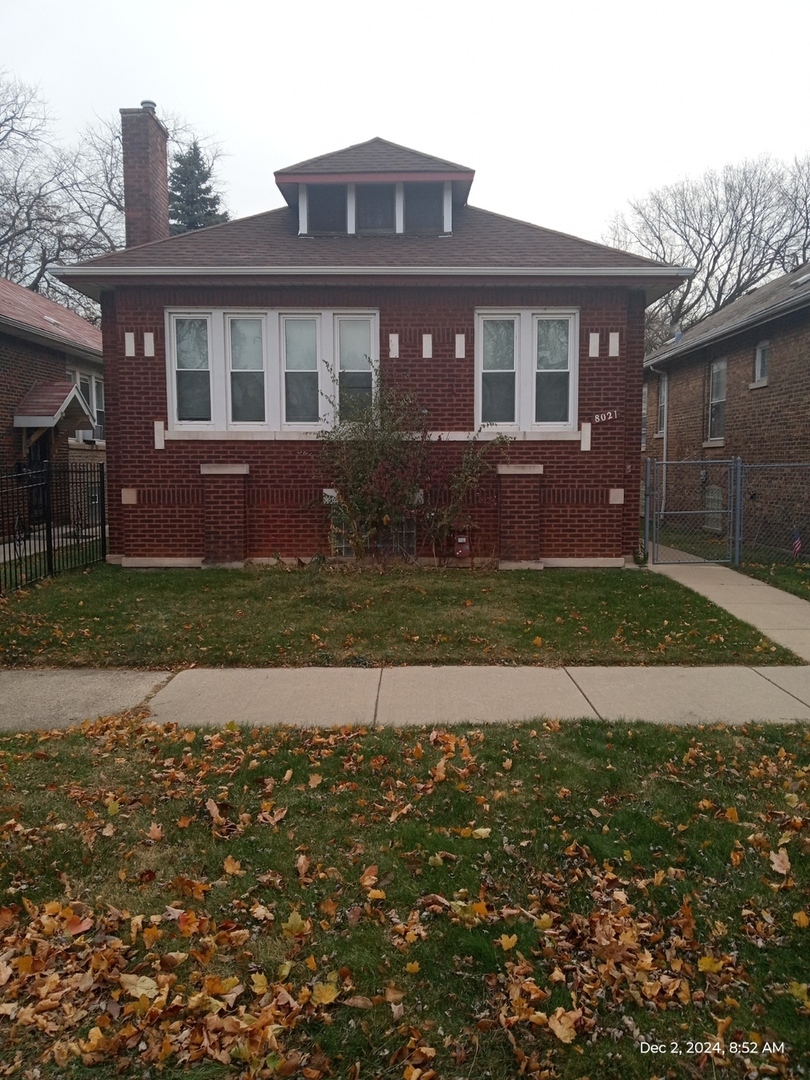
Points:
(52, 518)
(727, 511)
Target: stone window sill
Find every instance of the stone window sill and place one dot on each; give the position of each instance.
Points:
(709, 443)
(760, 382)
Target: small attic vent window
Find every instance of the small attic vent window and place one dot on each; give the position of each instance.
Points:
(374, 207)
(326, 208)
(424, 208)
(800, 281)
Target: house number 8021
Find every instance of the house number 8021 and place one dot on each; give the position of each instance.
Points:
(601, 417)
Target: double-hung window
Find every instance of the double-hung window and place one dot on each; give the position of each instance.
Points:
(355, 378)
(717, 399)
(192, 362)
(299, 345)
(254, 371)
(761, 361)
(245, 346)
(663, 390)
(527, 369)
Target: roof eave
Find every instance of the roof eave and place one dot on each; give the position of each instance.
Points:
(52, 341)
(764, 316)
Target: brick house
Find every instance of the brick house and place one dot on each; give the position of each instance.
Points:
(737, 383)
(224, 348)
(51, 381)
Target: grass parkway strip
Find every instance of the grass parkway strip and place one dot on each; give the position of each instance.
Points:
(544, 901)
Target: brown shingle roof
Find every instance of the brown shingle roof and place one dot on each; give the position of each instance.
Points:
(23, 310)
(788, 293)
(375, 155)
(49, 402)
(480, 240)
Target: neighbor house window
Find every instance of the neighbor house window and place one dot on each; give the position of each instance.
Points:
(663, 390)
(192, 350)
(717, 399)
(91, 387)
(245, 340)
(761, 361)
(644, 416)
(253, 371)
(527, 362)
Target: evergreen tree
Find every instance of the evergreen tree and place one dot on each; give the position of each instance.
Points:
(192, 202)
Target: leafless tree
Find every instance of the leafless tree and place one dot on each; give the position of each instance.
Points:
(737, 228)
(57, 204)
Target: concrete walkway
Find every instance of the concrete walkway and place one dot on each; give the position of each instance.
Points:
(440, 696)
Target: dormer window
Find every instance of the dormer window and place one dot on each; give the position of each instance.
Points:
(326, 208)
(374, 208)
(424, 208)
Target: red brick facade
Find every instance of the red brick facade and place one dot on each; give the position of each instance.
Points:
(146, 194)
(769, 422)
(162, 506)
(23, 364)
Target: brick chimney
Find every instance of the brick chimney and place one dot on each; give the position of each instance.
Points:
(146, 188)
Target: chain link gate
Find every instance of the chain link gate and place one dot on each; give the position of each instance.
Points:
(693, 511)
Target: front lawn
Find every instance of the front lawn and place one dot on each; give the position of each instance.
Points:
(108, 617)
(534, 901)
(791, 577)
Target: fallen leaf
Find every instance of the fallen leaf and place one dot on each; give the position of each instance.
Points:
(139, 986)
(507, 942)
(359, 1002)
(155, 832)
(412, 968)
(801, 919)
(732, 815)
(563, 1024)
(710, 963)
(315, 779)
(233, 867)
(780, 861)
(324, 993)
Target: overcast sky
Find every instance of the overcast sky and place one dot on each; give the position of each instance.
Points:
(564, 109)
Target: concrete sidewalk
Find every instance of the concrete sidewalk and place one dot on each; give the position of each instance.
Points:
(324, 697)
(445, 695)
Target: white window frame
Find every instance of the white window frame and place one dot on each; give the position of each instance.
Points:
(644, 396)
(663, 404)
(763, 349)
(218, 320)
(712, 436)
(526, 320)
(244, 425)
(75, 375)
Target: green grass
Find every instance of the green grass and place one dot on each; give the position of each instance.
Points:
(108, 617)
(465, 896)
(793, 577)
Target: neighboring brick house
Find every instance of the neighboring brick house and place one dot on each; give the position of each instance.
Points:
(51, 381)
(737, 383)
(223, 348)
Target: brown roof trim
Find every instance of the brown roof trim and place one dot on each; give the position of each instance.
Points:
(369, 177)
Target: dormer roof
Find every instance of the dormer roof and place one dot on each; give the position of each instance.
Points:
(374, 161)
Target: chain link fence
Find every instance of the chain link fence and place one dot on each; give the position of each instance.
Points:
(726, 511)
